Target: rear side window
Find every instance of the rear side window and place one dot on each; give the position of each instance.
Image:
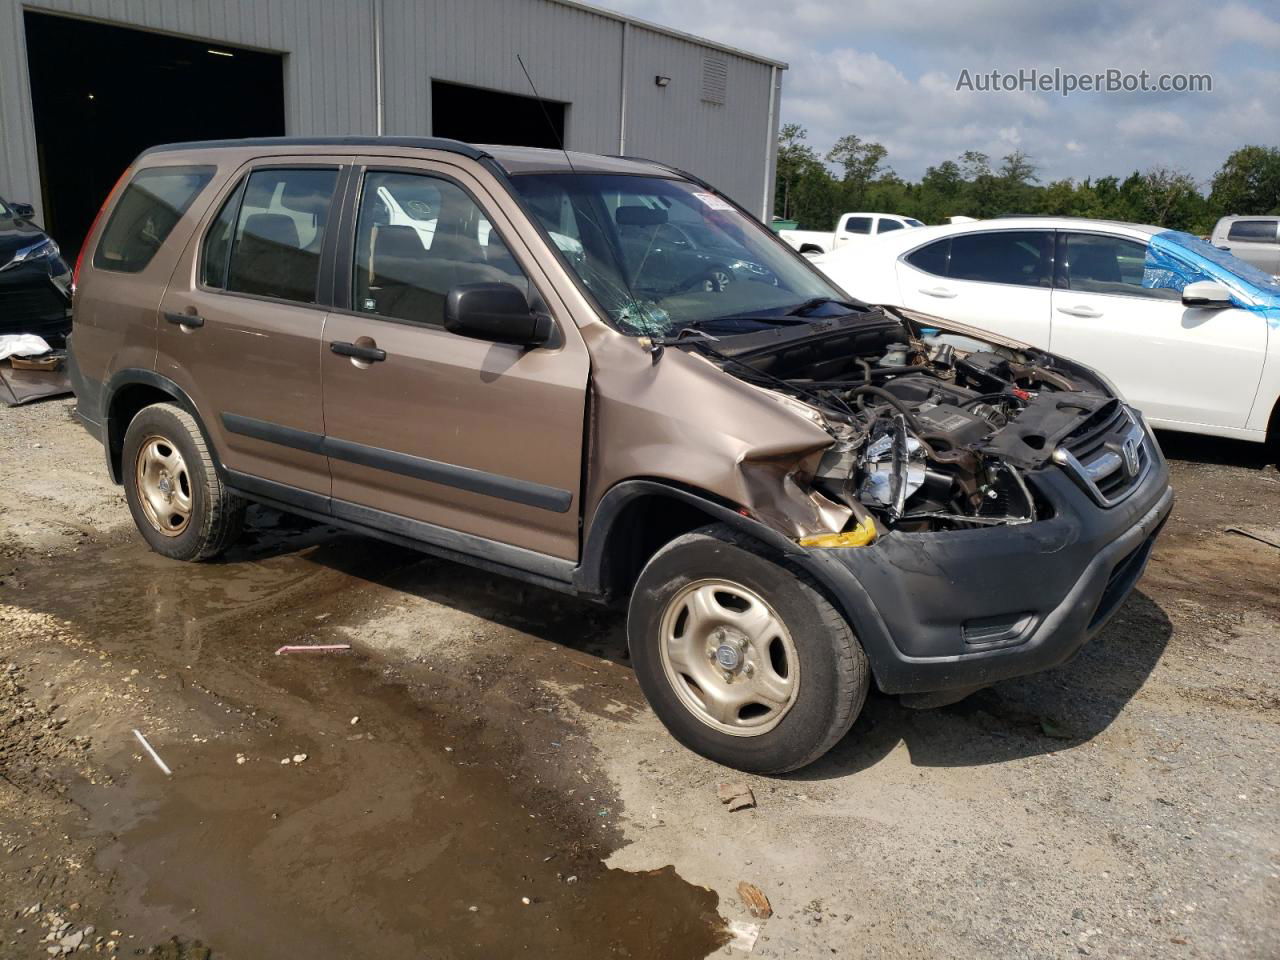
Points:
(279, 232)
(1017, 257)
(931, 258)
(1255, 231)
(857, 225)
(151, 204)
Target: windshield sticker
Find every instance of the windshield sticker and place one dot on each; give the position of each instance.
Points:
(714, 202)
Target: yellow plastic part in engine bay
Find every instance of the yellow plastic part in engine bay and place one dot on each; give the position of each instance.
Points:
(861, 535)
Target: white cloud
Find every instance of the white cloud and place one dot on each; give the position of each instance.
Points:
(887, 72)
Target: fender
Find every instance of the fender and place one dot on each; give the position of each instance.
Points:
(592, 574)
(112, 427)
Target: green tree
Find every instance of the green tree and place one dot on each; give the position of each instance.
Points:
(1248, 182)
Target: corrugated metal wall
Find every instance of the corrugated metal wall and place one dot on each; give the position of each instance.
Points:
(574, 54)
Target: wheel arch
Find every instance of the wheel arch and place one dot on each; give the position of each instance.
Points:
(128, 392)
(636, 518)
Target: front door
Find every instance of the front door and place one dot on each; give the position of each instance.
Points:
(242, 326)
(462, 434)
(1178, 365)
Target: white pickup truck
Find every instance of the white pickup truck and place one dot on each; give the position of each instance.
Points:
(851, 227)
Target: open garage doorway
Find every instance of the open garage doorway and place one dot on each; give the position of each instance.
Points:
(476, 115)
(102, 94)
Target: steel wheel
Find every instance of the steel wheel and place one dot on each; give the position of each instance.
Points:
(729, 657)
(164, 486)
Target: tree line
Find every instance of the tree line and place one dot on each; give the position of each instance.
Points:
(814, 190)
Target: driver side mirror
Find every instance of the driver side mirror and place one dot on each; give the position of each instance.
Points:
(497, 312)
(1206, 294)
(25, 211)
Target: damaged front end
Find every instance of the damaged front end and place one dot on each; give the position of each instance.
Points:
(931, 430)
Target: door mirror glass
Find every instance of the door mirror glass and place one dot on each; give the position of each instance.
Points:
(25, 211)
(1207, 294)
(497, 312)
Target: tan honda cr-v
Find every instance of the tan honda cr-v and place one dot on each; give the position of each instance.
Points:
(602, 376)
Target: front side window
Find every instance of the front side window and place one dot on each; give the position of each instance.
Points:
(280, 227)
(1124, 267)
(658, 255)
(1016, 257)
(884, 226)
(1253, 231)
(857, 225)
(418, 237)
(150, 206)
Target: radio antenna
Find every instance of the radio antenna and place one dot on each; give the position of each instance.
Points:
(546, 116)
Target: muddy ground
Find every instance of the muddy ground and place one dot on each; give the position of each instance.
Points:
(479, 776)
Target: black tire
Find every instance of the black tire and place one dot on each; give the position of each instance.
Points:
(216, 516)
(833, 670)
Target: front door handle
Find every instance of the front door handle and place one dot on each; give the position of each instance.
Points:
(940, 292)
(1087, 312)
(190, 320)
(357, 352)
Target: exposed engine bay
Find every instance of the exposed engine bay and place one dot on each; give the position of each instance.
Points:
(932, 430)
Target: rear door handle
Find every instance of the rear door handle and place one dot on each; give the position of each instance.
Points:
(1087, 312)
(941, 292)
(370, 354)
(185, 319)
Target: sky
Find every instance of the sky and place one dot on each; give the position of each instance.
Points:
(888, 71)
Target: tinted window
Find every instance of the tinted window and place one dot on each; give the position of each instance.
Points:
(1099, 264)
(417, 238)
(857, 225)
(1258, 231)
(931, 258)
(886, 225)
(151, 204)
(279, 232)
(1018, 257)
(217, 243)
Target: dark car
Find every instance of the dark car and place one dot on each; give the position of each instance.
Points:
(35, 282)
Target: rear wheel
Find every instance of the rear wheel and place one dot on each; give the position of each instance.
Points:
(742, 658)
(177, 500)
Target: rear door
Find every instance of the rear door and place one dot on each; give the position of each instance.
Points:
(242, 324)
(996, 280)
(1179, 365)
(448, 431)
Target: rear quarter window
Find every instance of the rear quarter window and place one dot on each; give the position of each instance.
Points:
(145, 214)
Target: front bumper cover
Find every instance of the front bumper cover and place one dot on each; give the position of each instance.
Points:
(963, 609)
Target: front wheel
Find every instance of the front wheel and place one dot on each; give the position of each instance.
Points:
(742, 658)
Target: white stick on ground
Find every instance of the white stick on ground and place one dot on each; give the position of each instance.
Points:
(154, 756)
(314, 648)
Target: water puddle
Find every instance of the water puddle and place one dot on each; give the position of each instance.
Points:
(415, 831)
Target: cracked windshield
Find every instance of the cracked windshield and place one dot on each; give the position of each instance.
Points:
(661, 255)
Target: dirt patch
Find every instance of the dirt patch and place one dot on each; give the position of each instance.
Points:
(1122, 805)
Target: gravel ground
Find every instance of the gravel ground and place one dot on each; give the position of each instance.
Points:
(1123, 805)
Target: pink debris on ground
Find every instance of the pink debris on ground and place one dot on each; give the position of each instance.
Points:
(316, 648)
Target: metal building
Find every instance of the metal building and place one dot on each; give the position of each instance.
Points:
(86, 84)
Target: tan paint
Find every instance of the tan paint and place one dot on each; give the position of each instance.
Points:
(523, 414)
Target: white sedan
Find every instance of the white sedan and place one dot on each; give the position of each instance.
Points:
(1184, 330)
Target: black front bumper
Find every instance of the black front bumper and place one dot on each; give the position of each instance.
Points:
(959, 610)
(30, 302)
